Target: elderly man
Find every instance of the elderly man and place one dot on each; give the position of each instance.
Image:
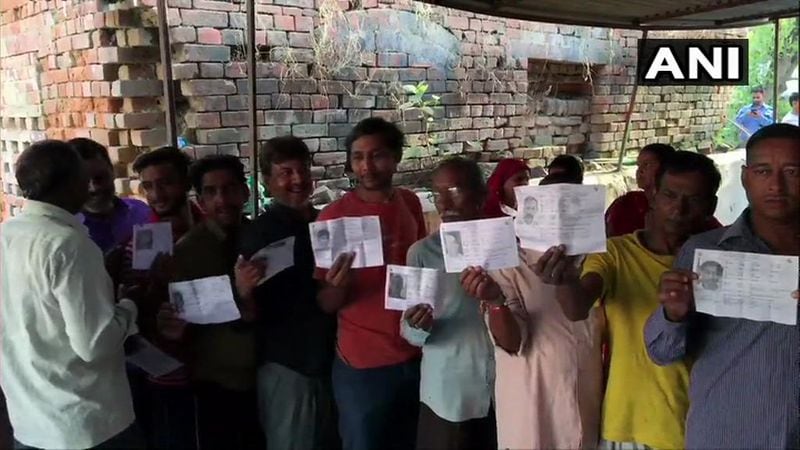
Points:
(63, 367)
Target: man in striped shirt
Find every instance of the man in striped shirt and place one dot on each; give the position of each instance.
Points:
(744, 389)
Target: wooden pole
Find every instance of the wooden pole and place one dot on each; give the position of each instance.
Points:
(251, 92)
(166, 64)
(775, 53)
(628, 115)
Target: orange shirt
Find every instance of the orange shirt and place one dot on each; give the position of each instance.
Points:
(368, 334)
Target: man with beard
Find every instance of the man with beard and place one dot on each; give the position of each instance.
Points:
(644, 404)
(376, 372)
(166, 404)
(110, 219)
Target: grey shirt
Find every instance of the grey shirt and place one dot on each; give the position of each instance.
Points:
(744, 389)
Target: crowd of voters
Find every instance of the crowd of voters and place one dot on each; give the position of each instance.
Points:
(601, 351)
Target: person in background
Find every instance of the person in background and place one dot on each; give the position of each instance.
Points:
(220, 357)
(375, 372)
(295, 338)
(63, 363)
(645, 405)
(793, 116)
(628, 212)
(110, 219)
(549, 377)
(166, 404)
(754, 116)
(457, 374)
(568, 166)
(744, 390)
(508, 174)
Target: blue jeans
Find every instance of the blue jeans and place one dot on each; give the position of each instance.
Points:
(129, 439)
(378, 408)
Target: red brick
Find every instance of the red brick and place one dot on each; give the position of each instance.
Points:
(209, 36)
(304, 23)
(285, 23)
(203, 120)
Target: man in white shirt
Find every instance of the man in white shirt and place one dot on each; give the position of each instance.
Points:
(793, 116)
(61, 332)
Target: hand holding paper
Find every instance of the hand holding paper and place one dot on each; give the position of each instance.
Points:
(150, 240)
(205, 300)
(275, 258)
(419, 316)
(489, 243)
(676, 293)
(358, 235)
(407, 287)
(478, 284)
(248, 275)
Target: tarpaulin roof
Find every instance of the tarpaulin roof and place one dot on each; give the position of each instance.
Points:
(634, 14)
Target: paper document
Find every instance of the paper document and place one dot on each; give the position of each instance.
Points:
(146, 356)
(277, 256)
(489, 243)
(572, 215)
(149, 240)
(409, 286)
(360, 235)
(205, 300)
(746, 285)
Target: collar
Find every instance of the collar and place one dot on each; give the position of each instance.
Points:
(739, 229)
(35, 208)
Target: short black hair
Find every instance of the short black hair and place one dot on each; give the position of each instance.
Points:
(391, 135)
(281, 149)
(757, 89)
(471, 169)
(89, 149)
(211, 163)
(558, 178)
(571, 166)
(683, 161)
(774, 131)
(164, 155)
(45, 167)
(794, 97)
(660, 151)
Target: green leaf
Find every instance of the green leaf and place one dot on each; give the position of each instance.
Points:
(409, 89)
(427, 110)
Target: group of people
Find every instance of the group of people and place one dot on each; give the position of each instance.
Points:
(562, 352)
(759, 114)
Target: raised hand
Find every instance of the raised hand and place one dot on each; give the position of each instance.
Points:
(247, 275)
(339, 274)
(676, 293)
(477, 283)
(168, 324)
(555, 267)
(419, 316)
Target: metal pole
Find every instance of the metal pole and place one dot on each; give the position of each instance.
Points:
(777, 23)
(628, 115)
(166, 64)
(251, 92)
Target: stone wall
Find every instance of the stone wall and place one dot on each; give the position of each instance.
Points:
(502, 87)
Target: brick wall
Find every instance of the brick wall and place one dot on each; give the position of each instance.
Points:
(505, 87)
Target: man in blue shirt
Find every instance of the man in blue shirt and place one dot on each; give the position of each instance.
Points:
(754, 116)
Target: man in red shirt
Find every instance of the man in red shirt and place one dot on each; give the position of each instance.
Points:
(376, 372)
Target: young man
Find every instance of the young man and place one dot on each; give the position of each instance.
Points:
(644, 405)
(376, 372)
(165, 405)
(744, 390)
(221, 357)
(754, 116)
(793, 116)
(457, 374)
(295, 338)
(63, 365)
(110, 219)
